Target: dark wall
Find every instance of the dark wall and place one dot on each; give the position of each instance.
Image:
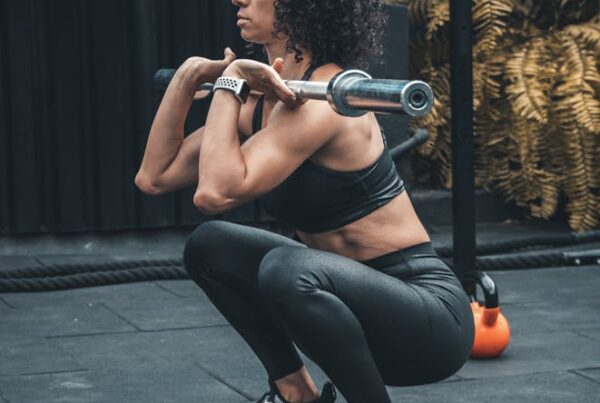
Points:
(77, 101)
(395, 66)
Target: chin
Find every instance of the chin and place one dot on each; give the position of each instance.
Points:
(258, 38)
(246, 36)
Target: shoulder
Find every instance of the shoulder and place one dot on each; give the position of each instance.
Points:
(315, 114)
(326, 72)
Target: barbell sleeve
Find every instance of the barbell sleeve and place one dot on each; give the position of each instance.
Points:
(352, 93)
(355, 90)
(163, 77)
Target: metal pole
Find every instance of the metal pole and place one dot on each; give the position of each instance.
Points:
(463, 175)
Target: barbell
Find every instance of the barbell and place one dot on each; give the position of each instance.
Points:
(350, 93)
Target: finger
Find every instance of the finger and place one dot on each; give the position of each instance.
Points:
(287, 99)
(229, 55)
(278, 65)
(276, 93)
(283, 92)
(297, 103)
(202, 94)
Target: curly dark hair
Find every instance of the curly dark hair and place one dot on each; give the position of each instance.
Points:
(346, 32)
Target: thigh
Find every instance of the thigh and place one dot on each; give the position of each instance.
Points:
(400, 320)
(225, 249)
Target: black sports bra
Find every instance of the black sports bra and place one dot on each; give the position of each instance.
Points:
(316, 199)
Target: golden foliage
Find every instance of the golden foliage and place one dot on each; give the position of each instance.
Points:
(528, 70)
(437, 17)
(536, 100)
(490, 23)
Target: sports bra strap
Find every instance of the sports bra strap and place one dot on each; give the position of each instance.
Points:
(257, 114)
(309, 72)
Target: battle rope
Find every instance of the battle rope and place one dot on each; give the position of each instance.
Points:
(538, 260)
(67, 269)
(538, 241)
(92, 279)
(68, 276)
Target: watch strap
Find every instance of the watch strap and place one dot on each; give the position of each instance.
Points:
(238, 86)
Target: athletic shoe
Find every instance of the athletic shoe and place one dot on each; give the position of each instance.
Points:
(328, 395)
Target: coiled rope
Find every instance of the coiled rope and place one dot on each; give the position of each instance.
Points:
(69, 276)
(527, 242)
(92, 279)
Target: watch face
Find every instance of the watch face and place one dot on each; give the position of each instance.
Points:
(244, 91)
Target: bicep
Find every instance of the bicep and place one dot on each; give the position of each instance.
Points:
(276, 151)
(183, 170)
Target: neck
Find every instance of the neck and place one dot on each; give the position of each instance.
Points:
(291, 70)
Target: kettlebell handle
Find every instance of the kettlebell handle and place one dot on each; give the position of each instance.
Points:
(490, 291)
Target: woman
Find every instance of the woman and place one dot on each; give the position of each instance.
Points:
(360, 289)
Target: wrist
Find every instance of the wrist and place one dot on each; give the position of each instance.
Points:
(237, 86)
(232, 71)
(188, 80)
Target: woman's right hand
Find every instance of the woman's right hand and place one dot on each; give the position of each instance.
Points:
(197, 70)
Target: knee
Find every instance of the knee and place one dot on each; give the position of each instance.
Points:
(282, 274)
(199, 244)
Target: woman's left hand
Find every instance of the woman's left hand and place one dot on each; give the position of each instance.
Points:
(263, 78)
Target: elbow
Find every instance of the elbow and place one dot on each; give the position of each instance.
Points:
(207, 204)
(147, 186)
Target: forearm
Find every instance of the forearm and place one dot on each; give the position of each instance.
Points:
(167, 131)
(223, 173)
(221, 164)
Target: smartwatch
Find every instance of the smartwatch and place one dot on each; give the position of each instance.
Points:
(238, 86)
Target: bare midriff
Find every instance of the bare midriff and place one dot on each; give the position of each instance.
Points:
(389, 228)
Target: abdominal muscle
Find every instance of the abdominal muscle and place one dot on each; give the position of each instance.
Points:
(391, 227)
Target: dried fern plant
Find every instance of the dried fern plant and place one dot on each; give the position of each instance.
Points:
(536, 101)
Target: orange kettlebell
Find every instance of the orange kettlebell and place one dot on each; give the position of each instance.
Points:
(492, 332)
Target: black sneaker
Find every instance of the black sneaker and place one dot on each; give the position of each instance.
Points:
(328, 394)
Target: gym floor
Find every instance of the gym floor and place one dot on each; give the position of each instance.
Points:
(162, 341)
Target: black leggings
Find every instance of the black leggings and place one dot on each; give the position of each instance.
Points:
(399, 319)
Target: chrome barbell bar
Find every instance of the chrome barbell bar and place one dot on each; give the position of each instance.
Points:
(350, 93)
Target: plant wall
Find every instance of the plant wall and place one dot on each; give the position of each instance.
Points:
(536, 101)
